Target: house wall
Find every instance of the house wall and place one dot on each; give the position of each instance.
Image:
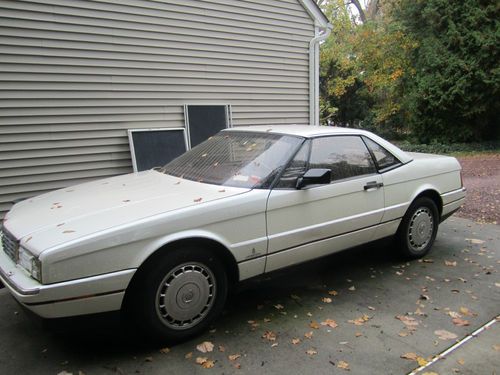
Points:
(75, 75)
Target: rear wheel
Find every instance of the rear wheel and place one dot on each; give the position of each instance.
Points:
(178, 294)
(418, 229)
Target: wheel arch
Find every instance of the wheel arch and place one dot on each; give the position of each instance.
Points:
(434, 196)
(217, 249)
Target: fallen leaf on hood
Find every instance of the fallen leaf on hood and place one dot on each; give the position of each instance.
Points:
(269, 335)
(205, 347)
(314, 325)
(69, 231)
(326, 300)
(311, 352)
(343, 365)
(126, 200)
(165, 350)
(333, 292)
(330, 323)
(450, 263)
(28, 239)
(197, 200)
(460, 322)
(295, 341)
(445, 335)
(234, 357)
(309, 335)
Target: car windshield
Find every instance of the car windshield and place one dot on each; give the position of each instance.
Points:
(236, 158)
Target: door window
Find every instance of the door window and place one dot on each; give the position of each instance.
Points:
(346, 156)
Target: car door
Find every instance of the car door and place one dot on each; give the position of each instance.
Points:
(318, 220)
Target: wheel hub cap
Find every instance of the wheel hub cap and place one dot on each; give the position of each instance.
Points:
(420, 229)
(185, 296)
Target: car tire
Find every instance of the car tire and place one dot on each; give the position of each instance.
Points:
(418, 229)
(177, 294)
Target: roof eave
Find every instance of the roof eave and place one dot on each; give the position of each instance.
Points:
(315, 12)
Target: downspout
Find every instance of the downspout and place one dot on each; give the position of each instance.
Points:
(314, 74)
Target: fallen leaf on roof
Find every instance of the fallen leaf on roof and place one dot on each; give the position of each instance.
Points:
(295, 341)
(314, 324)
(234, 357)
(269, 335)
(460, 322)
(326, 300)
(330, 323)
(311, 352)
(343, 365)
(205, 347)
(445, 335)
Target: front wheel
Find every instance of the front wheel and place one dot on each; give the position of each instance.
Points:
(418, 229)
(177, 295)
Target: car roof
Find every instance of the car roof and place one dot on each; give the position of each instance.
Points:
(311, 131)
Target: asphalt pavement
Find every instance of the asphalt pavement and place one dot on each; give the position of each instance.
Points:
(362, 311)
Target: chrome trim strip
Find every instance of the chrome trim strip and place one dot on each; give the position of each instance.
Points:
(25, 292)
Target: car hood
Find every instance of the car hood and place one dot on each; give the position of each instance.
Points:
(67, 214)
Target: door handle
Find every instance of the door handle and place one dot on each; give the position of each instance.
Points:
(372, 185)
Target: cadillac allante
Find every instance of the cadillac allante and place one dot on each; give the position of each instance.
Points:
(165, 245)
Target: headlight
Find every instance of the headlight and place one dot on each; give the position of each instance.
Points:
(30, 263)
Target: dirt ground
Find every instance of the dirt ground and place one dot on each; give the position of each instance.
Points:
(481, 176)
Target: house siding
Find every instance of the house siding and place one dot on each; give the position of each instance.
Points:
(75, 75)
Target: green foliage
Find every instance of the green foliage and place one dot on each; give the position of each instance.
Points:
(453, 94)
(450, 148)
(426, 69)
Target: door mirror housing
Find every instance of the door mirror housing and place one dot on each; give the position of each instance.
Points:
(314, 176)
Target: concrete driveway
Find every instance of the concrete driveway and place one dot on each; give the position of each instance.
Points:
(357, 312)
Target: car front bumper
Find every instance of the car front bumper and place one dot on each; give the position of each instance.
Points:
(88, 295)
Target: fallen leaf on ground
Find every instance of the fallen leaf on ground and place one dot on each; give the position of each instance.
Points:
(445, 335)
(410, 322)
(148, 359)
(352, 288)
(201, 360)
(234, 357)
(208, 364)
(411, 356)
(475, 241)
(326, 300)
(360, 321)
(165, 350)
(311, 352)
(450, 263)
(430, 373)
(330, 323)
(295, 341)
(279, 306)
(332, 292)
(358, 334)
(309, 335)
(189, 355)
(222, 349)
(314, 324)
(371, 308)
(237, 366)
(274, 345)
(269, 335)
(466, 311)
(460, 322)
(461, 362)
(343, 365)
(421, 361)
(496, 347)
(205, 347)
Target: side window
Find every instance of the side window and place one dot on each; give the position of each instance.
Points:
(295, 169)
(383, 158)
(346, 156)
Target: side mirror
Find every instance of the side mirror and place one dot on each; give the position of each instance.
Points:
(314, 176)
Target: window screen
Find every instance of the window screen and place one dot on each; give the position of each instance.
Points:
(203, 121)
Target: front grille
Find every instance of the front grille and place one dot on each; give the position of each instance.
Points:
(10, 245)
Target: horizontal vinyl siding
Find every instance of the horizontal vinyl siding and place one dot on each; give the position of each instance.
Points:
(75, 75)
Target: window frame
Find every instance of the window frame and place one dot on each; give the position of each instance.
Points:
(381, 170)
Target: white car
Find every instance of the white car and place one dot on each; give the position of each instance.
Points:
(165, 245)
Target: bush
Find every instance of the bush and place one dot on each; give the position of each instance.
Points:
(451, 148)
